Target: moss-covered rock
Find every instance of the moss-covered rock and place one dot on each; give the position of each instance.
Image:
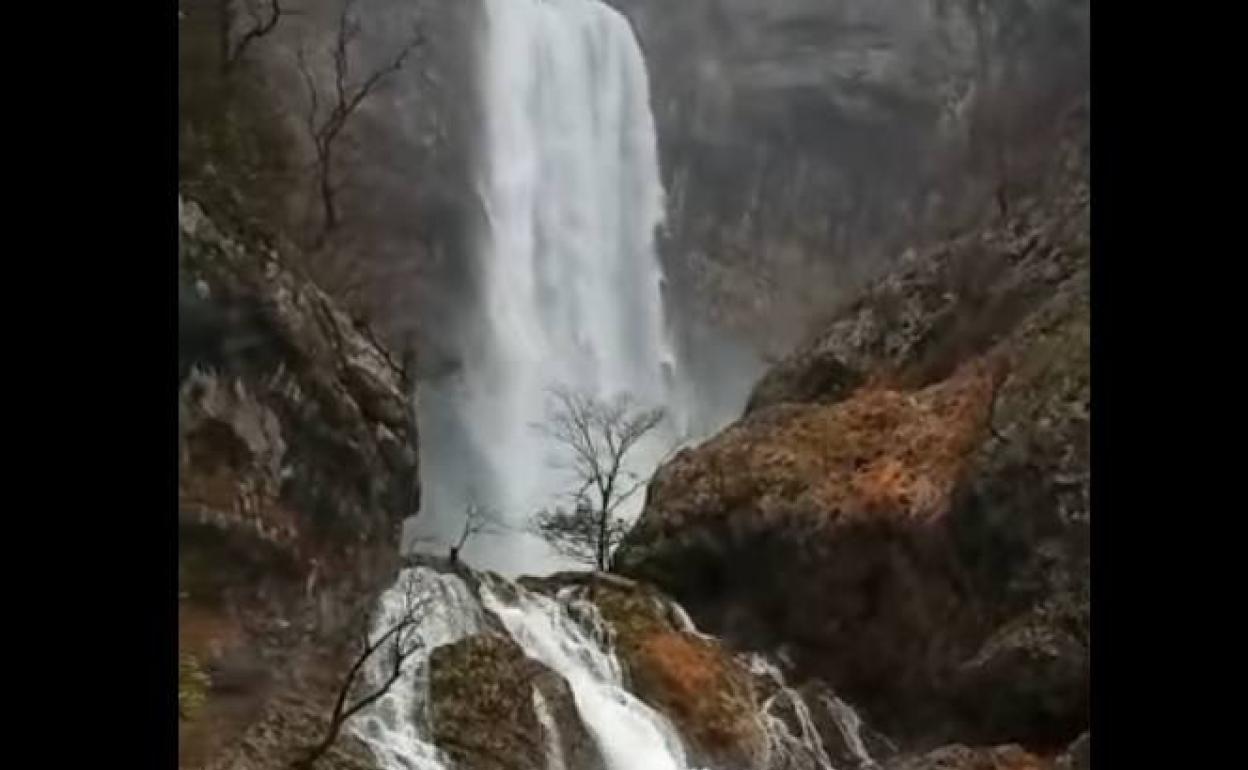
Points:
(702, 688)
(891, 531)
(705, 693)
(492, 708)
(193, 685)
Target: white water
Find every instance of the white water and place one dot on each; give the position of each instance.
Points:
(570, 295)
(850, 725)
(630, 735)
(395, 727)
(568, 636)
(570, 286)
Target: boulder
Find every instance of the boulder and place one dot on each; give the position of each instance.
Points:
(915, 534)
(822, 527)
(492, 708)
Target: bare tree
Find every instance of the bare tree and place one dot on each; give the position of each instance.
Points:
(598, 436)
(263, 19)
(397, 641)
(325, 123)
(478, 520)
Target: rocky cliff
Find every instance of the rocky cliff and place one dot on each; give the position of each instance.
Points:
(297, 463)
(904, 511)
(803, 141)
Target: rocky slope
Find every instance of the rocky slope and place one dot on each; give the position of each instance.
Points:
(297, 462)
(491, 707)
(904, 511)
(731, 711)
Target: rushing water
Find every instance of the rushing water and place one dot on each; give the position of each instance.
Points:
(396, 726)
(571, 295)
(570, 288)
(630, 735)
(568, 636)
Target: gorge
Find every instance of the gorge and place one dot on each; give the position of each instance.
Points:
(870, 553)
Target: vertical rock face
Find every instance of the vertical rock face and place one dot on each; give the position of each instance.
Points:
(297, 463)
(802, 140)
(905, 509)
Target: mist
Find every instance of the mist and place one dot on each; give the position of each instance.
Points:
(801, 146)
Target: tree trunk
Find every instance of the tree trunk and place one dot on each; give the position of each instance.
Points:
(327, 193)
(602, 540)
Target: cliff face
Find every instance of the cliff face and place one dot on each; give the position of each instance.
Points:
(297, 462)
(803, 141)
(904, 511)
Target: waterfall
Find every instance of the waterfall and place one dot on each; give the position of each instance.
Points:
(395, 728)
(629, 734)
(570, 291)
(570, 294)
(568, 635)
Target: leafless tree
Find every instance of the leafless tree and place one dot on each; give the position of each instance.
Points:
(263, 18)
(478, 520)
(325, 122)
(394, 644)
(598, 437)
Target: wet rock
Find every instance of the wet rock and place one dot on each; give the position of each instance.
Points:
(708, 697)
(492, 708)
(959, 757)
(848, 740)
(704, 690)
(1078, 756)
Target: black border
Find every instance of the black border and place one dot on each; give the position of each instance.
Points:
(103, 437)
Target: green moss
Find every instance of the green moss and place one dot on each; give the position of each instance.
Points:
(193, 685)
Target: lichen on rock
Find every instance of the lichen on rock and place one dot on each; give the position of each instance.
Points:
(491, 708)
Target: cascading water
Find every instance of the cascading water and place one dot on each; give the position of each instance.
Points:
(570, 295)
(567, 635)
(630, 735)
(570, 288)
(395, 727)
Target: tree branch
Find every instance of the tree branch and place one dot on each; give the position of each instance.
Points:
(324, 132)
(260, 27)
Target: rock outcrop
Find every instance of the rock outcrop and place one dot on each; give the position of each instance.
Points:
(733, 711)
(960, 757)
(297, 463)
(820, 526)
(700, 686)
(905, 509)
(492, 708)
